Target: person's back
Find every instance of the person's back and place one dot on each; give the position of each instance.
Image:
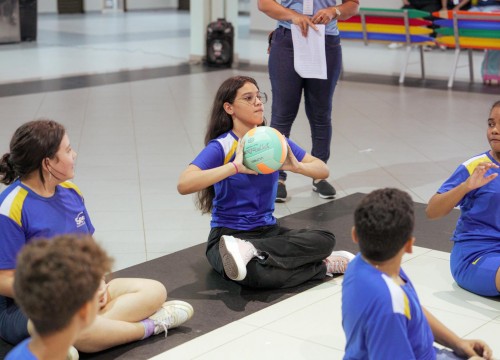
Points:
(381, 317)
(381, 314)
(57, 287)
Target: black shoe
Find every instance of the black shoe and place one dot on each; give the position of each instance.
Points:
(324, 189)
(281, 193)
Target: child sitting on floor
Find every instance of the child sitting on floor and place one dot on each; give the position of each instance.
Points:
(390, 323)
(57, 287)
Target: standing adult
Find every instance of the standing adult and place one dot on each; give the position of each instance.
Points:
(287, 85)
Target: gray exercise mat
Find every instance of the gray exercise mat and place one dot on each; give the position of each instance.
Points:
(217, 302)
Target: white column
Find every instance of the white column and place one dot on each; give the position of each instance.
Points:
(199, 11)
(217, 9)
(232, 17)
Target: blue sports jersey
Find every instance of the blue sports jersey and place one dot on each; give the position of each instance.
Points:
(242, 201)
(25, 215)
(382, 319)
(330, 29)
(21, 352)
(480, 213)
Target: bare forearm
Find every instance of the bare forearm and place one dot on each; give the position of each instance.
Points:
(441, 204)
(315, 169)
(274, 10)
(442, 335)
(348, 9)
(193, 179)
(7, 283)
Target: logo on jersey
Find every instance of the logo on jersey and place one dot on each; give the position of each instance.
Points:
(80, 219)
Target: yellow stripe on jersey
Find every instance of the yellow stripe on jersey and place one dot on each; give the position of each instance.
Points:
(471, 164)
(229, 144)
(70, 185)
(12, 206)
(400, 301)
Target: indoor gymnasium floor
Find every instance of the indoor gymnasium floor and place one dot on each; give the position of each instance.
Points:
(136, 114)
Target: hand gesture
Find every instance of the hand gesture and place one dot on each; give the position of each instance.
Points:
(324, 16)
(473, 349)
(303, 22)
(477, 178)
(238, 160)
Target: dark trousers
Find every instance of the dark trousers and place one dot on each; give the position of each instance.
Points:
(287, 87)
(290, 257)
(13, 323)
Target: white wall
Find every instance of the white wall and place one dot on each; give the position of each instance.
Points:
(47, 6)
(50, 6)
(151, 4)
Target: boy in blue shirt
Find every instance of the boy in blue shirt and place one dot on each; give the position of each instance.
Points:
(57, 287)
(390, 323)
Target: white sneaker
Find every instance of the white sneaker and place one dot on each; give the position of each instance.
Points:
(171, 314)
(72, 354)
(337, 262)
(235, 254)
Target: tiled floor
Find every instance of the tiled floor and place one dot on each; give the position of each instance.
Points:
(133, 139)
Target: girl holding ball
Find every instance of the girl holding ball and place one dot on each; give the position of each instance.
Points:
(245, 243)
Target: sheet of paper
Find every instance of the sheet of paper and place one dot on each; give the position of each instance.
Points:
(309, 58)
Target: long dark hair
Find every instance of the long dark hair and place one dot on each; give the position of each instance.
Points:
(31, 143)
(219, 123)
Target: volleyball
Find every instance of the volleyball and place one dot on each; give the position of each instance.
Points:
(264, 149)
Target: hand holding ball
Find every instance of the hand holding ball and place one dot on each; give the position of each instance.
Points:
(264, 150)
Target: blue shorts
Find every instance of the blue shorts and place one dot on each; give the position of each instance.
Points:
(13, 323)
(474, 265)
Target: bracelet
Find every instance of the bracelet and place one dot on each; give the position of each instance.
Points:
(236, 168)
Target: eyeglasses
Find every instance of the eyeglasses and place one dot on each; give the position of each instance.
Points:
(250, 98)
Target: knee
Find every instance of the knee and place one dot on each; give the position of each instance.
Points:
(86, 344)
(156, 291)
(328, 239)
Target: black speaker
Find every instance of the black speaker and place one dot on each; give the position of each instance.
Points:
(220, 40)
(28, 19)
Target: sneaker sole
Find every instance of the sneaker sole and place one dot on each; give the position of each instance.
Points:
(279, 200)
(323, 196)
(233, 267)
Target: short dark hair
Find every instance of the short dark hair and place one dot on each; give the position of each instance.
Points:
(31, 143)
(384, 222)
(495, 104)
(55, 277)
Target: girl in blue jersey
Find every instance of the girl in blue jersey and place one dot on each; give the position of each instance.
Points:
(475, 188)
(40, 202)
(245, 243)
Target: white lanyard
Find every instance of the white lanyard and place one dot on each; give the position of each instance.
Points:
(307, 7)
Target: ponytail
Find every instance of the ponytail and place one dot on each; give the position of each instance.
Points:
(7, 172)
